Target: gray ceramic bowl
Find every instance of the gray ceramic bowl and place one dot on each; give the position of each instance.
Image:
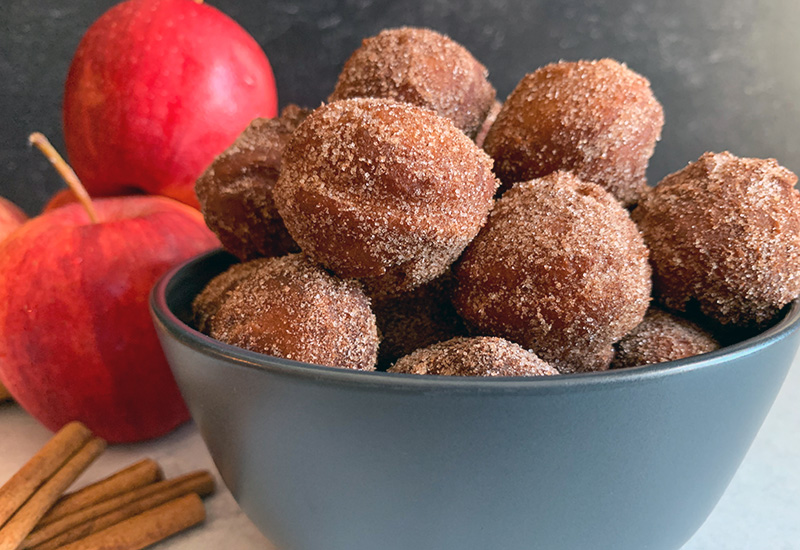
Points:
(330, 459)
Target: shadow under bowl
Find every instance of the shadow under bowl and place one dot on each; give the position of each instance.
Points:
(333, 459)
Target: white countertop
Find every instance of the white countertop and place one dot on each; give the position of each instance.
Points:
(760, 509)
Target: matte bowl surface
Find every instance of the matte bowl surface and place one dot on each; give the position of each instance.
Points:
(333, 459)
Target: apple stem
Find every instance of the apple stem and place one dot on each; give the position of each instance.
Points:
(43, 144)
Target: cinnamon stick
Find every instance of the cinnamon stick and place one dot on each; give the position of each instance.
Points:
(146, 528)
(136, 475)
(101, 522)
(38, 469)
(201, 482)
(28, 515)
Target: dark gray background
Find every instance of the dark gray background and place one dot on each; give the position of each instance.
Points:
(727, 72)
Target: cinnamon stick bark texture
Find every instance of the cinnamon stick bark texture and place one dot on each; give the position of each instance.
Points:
(28, 515)
(136, 475)
(80, 523)
(146, 528)
(38, 469)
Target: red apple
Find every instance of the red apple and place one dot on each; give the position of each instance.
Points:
(76, 339)
(67, 196)
(157, 89)
(59, 199)
(11, 217)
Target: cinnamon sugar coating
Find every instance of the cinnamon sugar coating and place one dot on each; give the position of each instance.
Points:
(560, 269)
(660, 337)
(725, 232)
(290, 307)
(416, 319)
(235, 191)
(478, 356)
(383, 191)
(206, 304)
(421, 67)
(598, 119)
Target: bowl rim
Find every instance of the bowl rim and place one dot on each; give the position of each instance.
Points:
(168, 322)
